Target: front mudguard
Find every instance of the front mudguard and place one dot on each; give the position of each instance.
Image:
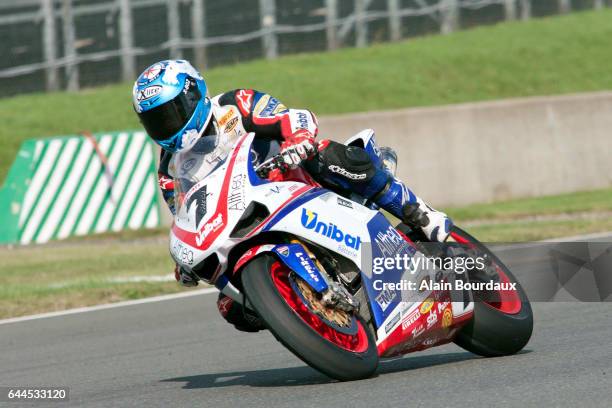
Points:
(295, 257)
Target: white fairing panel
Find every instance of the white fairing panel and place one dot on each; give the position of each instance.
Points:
(333, 222)
(209, 209)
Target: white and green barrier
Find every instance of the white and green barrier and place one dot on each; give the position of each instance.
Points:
(79, 185)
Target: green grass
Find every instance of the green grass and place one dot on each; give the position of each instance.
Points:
(526, 231)
(56, 277)
(517, 220)
(587, 201)
(540, 57)
(84, 272)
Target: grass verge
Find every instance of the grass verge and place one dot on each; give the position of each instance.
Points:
(55, 277)
(547, 56)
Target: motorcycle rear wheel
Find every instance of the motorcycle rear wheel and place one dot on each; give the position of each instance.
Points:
(341, 354)
(498, 328)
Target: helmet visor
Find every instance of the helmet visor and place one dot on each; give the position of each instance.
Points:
(164, 121)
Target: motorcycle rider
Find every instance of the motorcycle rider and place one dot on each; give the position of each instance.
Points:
(172, 102)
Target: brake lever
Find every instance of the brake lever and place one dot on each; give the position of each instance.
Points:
(274, 162)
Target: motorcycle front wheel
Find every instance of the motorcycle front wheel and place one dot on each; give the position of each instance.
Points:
(338, 344)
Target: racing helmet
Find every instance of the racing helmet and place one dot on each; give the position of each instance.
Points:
(172, 103)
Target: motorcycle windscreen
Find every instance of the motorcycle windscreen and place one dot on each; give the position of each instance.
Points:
(192, 166)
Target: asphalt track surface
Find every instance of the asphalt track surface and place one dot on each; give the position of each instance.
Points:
(180, 353)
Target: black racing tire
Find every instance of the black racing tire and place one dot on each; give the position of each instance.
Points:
(296, 335)
(491, 332)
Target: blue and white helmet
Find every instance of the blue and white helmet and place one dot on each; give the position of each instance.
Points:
(172, 103)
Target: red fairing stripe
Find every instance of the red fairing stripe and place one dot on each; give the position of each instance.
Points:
(216, 223)
(247, 256)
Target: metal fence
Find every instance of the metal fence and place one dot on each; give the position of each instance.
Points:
(69, 44)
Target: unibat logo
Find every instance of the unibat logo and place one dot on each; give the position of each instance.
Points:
(310, 220)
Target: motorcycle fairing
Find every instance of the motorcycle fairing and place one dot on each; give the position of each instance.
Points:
(304, 211)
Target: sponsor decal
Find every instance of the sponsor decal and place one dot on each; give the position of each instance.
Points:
(310, 220)
(284, 250)
(307, 263)
(261, 104)
(430, 342)
(390, 242)
(302, 120)
(235, 198)
(345, 173)
(442, 306)
(175, 68)
(231, 124)
(199, 198)
(447, 317)
(211, 226)
(432, 318)
(417, 331)
(245, 100)
(392, 322)
(152, 72)
(181, 253)
(148, 93)
(345, 203)
(426, 305)
(280, 108)
(385, 298)
(225, 118)
(268, 107)
(188, 165)
(411, 319)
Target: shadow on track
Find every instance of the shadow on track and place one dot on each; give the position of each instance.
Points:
(304, 375)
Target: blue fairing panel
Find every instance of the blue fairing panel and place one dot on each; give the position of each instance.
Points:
(296, 258)
(386, 243)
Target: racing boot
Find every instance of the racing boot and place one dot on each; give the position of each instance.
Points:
(397, 199)
(391, 194)
(242, 319)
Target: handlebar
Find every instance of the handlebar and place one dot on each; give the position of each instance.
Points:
(274, 162)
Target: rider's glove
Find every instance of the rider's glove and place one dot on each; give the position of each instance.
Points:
(184, 277)
(298, 148)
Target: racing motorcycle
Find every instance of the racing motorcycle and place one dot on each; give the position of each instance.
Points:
(304, 259)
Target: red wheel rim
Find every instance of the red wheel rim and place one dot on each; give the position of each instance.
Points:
(357, 343)
(509, 300)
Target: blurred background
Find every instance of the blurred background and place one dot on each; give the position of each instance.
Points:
(500, 112)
